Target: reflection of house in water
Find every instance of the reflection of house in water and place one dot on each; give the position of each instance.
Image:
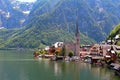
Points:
(57, 69)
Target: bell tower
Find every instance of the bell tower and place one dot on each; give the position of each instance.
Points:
(77, 39)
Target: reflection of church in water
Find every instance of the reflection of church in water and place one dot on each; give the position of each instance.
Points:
(74, 46)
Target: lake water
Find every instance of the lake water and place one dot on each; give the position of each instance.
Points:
(20, 65)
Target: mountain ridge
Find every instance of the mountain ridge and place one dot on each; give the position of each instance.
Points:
(94, 16)
(12, 13)
(48, 23)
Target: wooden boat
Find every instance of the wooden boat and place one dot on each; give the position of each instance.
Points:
(57, 58)
(117, 69)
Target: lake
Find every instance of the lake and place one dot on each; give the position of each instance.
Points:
(20, 65)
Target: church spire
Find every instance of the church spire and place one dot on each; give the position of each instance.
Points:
(77, 29)
(77, 39)
(77, 36)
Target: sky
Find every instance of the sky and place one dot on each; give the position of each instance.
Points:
(27, 0)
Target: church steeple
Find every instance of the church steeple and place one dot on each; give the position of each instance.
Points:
(77, 29)
(77, 39)
(77, 36)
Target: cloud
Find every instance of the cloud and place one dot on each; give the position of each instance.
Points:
(27, 0)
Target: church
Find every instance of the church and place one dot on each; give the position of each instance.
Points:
(74, 46)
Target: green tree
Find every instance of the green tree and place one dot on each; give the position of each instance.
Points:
(70, 54)
(118, 55)
(42, 52)
(118, 43)
(57, 53)
(114, 32)
(41, 46)
(63, 51)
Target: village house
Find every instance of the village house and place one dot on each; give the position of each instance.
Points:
(85, 50)
(117, 37)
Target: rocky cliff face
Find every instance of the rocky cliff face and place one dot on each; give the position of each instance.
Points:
(13, 13)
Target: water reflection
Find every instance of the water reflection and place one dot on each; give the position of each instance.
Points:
(80, 71)
(17, 66)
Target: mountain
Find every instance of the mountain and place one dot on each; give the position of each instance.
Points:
(13, 13)
(42, 31)
(96, 17)
(24, 7)
(34, 37)
(54, 20)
